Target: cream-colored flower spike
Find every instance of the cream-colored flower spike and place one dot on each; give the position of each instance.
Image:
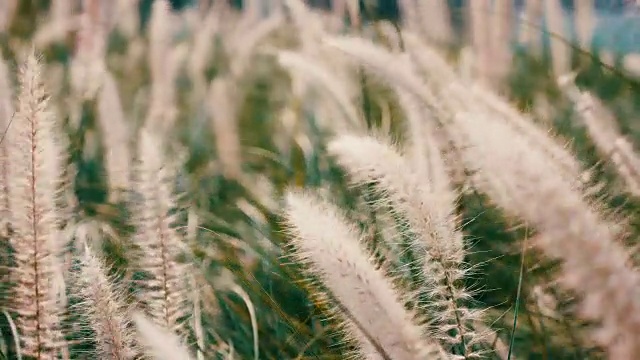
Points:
(594, 264)
(164, 292)
(223, 109)
(604, 131)
(332, 248)
(33, 144)
(309, 68)
(436, 239)
(159, 343)
(116, 137)
(103, 303)
(6, 112)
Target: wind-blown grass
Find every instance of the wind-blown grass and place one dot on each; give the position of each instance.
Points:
(281, 183)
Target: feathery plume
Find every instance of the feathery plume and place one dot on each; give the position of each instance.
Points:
(244, 42)
(307, 67)
(560, 51)
(530, 25)
(6, 114)
(595, 265)
(435, 19)
(584, 22)
(33, 144)
(395, 69)
(160, 344)
(115, 132)
(200, 56)
(308, 24)
(164, 62)
(103, 303)
(332, 248)
(88, 64)
(159, 40)
(538, 137)
(426, 146)
(7, 12)
(164, 292)
(603, 130)
(501, 35)
(477, 98)
(126, 19)
(410, 14)
(222, 109)
(480, 37)
(430, 215)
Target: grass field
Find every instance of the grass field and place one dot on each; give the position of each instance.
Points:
(215, 184)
